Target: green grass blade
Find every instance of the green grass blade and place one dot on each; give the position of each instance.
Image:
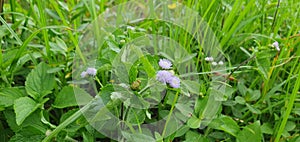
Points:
(11, 31)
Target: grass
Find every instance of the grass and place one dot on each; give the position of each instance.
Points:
(261, 98)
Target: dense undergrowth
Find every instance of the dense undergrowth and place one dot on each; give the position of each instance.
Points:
(46, 72)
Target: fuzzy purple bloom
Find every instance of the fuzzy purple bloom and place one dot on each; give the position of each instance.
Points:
(165, 63)
(83, 74)
(174, 82)
(164, 76)
(91, 71)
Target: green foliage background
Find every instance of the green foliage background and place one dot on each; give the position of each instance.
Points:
(39, 39)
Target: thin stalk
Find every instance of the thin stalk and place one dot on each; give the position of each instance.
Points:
(170, 113)
(13, 9)
(68, 121)
(45, 32)
(290, 106)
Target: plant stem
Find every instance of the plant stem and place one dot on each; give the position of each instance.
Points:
(170, 113)
(290, 106)
(68, 121)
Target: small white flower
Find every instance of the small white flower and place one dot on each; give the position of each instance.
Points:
(276, 45)
(131, 28)
(122, 41)
(214, 63)
(209, 59)
(221, 63)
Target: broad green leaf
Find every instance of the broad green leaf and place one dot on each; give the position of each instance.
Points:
(9, 95)
(253, 109)
(23, 107)
(71, 96)
(191, 136)
(290, 125)
(253, 95)
(242, 88)
(180, 132)
(10, 117)
(137, 137)
(200, 105)
(194, 122)
(39, 83)
(267, 128)
(192, 86)
(226, 124)
(106, 92)
(240, 100)
(250, 133)
(136, 116)
(185, 109)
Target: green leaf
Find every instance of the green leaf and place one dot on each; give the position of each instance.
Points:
(23, 107)
(9, 95)
(267, 128)
(290, 125)
(106, 92)
(253, 95)
(192, 86)
(22, 138)
(226, 124)
(194, 122)
(242, 88)
(137, 137)
(195, 137)
(253, 109)
(71, 96)
(185, 109)
(87, 137)
(200, 105)
(39, 83)
(10, 117)
(240, 100)
(136, 116)
(251, 133)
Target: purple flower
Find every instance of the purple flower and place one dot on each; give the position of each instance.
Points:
(163, 76)
(174, 82)
(83, 74)
(91, 71)
(165, 63)
(276, 45)
(167, 77)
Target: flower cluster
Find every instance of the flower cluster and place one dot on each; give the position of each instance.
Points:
(211, 59)
(167, 76)
(89, 71)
